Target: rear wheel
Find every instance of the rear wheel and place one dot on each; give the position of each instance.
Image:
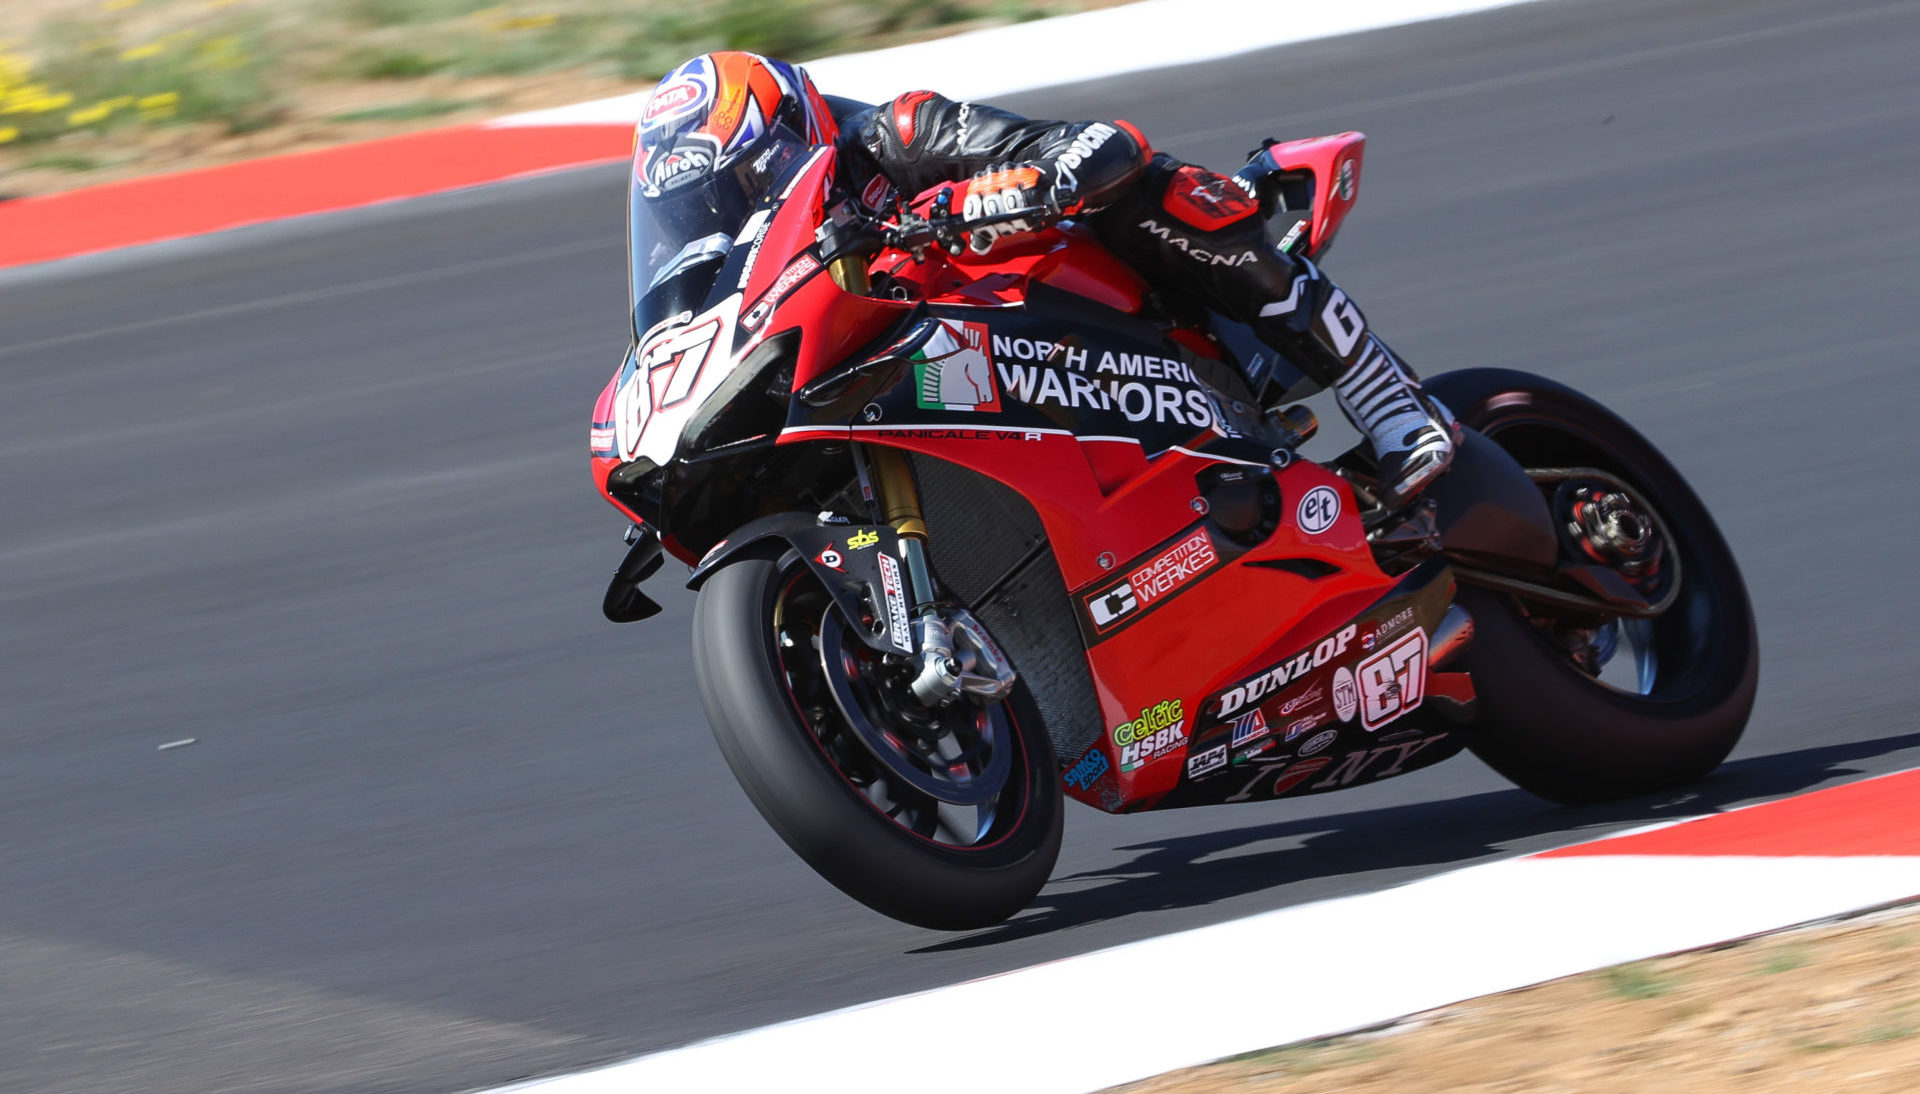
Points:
(947, 818)
(1581, 706)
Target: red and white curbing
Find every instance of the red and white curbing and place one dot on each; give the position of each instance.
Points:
(997, 61)
(1086, 1023)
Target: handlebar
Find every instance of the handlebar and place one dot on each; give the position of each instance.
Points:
(913, 233)
(863, 234)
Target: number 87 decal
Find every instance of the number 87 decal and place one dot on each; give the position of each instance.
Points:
(673, 361)
(1393, 681)
(664, 372)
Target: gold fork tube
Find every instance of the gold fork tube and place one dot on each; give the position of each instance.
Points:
(899, 498)
(850, 273)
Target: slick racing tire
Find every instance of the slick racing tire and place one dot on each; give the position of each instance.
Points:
(1673, 694)
(870, 806)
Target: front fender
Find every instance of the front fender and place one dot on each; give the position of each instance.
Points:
(859, 564)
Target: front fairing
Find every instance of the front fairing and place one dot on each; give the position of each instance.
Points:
(725, 330)
(693, 254)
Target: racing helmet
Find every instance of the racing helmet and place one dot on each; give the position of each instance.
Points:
(716, 108)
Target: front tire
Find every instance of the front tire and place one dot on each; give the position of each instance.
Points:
(1573, 733)
(759, 627)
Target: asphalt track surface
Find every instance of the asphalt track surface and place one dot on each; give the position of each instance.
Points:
(315, 495)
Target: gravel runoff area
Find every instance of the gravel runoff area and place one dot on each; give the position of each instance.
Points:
(1835, 1006)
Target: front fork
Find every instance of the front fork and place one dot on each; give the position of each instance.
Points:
(957, 656)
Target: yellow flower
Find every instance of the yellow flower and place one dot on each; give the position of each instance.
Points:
(141, 53)
(120, 5)
(118, 102)
(530, 22)
(17, 98)
(163, 105)
(9, 133)
(88, 116)
(44, 104)
(222, 54)
(216, 5)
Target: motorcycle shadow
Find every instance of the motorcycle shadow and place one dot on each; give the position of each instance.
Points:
(1192, 871)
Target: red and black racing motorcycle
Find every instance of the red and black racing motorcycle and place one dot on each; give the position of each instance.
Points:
(973, 531)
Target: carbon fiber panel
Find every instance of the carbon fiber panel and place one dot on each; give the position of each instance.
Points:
(978, 532)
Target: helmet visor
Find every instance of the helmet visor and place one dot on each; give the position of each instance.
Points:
(686, 208)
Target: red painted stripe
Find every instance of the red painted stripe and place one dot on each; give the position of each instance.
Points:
(187, 203)
(1872, 817)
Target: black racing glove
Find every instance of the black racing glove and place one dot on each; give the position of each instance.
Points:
(1027, 188)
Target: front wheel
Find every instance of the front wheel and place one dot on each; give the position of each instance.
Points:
(948, 818)
(1582, 707)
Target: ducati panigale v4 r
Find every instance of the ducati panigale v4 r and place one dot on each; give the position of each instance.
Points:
(973, 532)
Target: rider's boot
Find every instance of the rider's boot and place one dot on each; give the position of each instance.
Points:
(1189, 227)
(1321, 331)
(1410, 438)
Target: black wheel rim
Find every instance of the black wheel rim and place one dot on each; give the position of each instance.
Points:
(1678, 654)
(963, 789)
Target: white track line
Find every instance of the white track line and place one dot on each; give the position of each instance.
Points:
(1070, 49)
(1119, 1015)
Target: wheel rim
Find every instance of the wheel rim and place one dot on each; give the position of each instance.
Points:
(955, 781)
(1671, 656)
(1629, 660)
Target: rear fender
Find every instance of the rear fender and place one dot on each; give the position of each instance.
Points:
(860, 565)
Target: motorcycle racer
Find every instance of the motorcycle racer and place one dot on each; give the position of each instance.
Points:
(1194, 234)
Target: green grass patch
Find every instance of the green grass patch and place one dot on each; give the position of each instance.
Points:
(1307, 1058)
(397, 13)
(1639, 981)
(390, 63)
(87, 78)
(406, 112)
(1897, 1027)
(65, 162)
(1784, 959)
(240, 62)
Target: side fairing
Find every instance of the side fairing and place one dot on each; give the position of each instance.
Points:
(1194, 561)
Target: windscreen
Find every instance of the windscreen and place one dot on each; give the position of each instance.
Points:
(685, 210)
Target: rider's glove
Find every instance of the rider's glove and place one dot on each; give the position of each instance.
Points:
(1026, 188)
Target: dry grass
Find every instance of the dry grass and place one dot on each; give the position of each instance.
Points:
(1830, 1008)
(97, 89)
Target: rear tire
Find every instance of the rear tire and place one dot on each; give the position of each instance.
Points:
(823, 791)
(1546, 724)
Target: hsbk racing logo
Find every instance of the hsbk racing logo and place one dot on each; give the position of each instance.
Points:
(1157, 731)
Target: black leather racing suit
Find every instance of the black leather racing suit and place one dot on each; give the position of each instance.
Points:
(1192, 233)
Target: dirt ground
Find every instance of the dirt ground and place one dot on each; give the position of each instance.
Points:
(1827, 1008)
